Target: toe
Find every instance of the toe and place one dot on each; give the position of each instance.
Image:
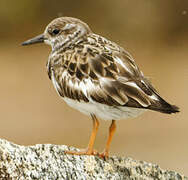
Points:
(83, 152)
(104, 155)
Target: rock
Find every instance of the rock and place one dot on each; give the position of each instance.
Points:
(47, 161)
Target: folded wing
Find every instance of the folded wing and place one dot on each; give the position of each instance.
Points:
(111, 79)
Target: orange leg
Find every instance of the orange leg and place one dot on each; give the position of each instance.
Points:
(89, 150)
(112, 130)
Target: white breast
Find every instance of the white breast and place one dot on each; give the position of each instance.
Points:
(103, 111)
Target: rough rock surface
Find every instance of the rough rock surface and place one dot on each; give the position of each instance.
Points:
(47, 161)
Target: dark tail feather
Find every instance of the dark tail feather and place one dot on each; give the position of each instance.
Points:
(170, 109)
(164, 107)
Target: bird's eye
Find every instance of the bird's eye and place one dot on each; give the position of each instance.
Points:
(55, 31)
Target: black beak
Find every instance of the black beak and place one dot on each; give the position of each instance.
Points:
(37, 39)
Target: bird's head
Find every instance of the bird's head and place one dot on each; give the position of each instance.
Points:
(61, 32)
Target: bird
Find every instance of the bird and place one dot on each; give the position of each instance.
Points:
(97, 77)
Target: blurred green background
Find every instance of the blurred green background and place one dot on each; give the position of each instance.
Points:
(154, 32)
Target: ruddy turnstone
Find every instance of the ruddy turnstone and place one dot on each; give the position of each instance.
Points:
(97, 77)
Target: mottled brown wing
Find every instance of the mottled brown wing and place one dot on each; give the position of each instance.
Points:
(105, 78)
(124, 84)
(120, 80)
(111, 79)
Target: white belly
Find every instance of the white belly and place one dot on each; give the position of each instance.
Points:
(104, 111)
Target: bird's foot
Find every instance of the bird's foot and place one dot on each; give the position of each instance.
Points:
(104, 155)
(83, 152)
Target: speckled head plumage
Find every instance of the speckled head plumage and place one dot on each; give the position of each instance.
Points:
(65, 30)
(96, 76)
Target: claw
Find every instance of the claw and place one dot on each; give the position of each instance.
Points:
(104, 155)
(83, 152)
